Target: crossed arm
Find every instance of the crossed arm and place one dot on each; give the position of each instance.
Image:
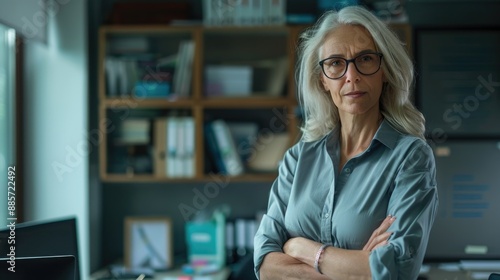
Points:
(297, 261)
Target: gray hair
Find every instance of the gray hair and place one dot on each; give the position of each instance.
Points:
(320, 113)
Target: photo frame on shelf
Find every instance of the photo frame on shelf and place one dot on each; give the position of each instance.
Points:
(148, 242)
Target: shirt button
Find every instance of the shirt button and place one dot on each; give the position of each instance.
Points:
(327, 215)
(348, 170)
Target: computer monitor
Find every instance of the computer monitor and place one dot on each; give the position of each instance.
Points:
(458, 81)
(43, 238)
(467, 225)
(42, 267)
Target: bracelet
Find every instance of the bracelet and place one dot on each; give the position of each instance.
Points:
(318, 255)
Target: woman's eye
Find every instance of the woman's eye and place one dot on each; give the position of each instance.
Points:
(365, 58)
(336, 62)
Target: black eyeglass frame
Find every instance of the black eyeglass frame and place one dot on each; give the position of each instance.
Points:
(353, 60)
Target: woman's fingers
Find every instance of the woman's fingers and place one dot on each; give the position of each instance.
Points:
(380, 234)
(378, 241)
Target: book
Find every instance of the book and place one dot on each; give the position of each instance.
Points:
(185, 160)
(277, 80)
(244, 12)
(180, 156)
(227, 148)
(121, 75)
(276, 12)
(240, 237)
(172, 149)
(244, 135)
(187, 69)
(188, 161)
(223, 148)
(183, 68)
(134, 132)
(160, 147)
(213, 148)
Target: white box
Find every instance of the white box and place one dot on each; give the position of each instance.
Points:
(228, 80)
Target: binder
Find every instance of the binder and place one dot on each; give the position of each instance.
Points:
(227, 149)
(172, 152)
(160, 147)
(190, 152)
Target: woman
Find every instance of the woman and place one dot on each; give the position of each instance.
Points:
(356, 197)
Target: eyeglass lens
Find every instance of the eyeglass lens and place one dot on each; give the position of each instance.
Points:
(366, 64)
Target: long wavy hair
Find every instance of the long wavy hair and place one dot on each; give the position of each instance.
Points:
(319, 112)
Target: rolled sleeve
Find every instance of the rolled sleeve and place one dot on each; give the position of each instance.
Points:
(414, 203)
(272, 235)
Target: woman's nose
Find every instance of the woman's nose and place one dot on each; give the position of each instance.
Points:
(352, 73)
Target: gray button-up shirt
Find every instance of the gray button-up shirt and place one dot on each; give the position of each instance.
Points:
(312, 198)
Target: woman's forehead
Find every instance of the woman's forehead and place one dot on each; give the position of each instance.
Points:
(348, 38)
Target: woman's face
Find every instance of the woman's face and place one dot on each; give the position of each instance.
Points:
(353, 93)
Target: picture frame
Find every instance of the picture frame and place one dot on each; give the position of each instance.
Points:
(148, 242)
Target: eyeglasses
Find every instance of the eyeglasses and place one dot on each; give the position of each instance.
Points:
(336, 67)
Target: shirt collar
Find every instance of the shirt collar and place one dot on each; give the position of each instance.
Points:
(387, 135)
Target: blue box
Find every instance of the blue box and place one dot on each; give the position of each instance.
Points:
(206, 242)
(151, 89)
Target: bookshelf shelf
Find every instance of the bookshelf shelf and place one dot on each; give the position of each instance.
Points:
(249, 102)
(120, 178)
(147, 103)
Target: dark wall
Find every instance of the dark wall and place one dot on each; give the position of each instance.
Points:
(174, 201)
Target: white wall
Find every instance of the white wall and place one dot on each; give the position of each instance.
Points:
(55, 118)
(25, 16)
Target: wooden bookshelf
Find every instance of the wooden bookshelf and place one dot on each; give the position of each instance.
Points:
(210, 48)
(213, 45)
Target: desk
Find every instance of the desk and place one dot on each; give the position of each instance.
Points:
(170, 275)
(453, 271)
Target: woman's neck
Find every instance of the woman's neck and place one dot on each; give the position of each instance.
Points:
(356, 134)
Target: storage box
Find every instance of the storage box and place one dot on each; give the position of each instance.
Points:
(222, 80)
(206, 242)
(147, 89)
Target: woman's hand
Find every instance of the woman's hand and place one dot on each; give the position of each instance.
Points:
(302, 249)
(380, 235)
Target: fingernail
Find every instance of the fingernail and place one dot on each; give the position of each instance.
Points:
(393, 218)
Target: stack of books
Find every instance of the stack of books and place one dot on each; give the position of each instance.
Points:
(133, 72)
(244, 12)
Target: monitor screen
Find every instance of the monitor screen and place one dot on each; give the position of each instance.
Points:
(46, 267)
(458, 81)
(467, 225)
(42, 238)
